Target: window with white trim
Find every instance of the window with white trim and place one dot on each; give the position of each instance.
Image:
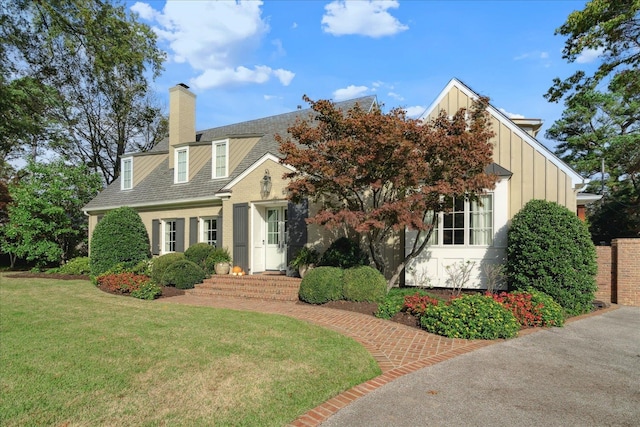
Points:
(468, 223)
(182, 165)
(209, 231)
(126, 166)
(220, 159)
(170, 235)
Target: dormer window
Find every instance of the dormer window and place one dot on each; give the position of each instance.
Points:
(220, 159)
(181, 172)
(126, 166)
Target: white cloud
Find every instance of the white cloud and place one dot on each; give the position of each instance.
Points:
(366, 18)
(589, 55)
(395, 96)
(349, 92)
(532, 55)
(215, 38)
(415, 111)
(511, 115)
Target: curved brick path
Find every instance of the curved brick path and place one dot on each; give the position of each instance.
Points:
(397, 348)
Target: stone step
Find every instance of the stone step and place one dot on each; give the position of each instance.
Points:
(265, 287)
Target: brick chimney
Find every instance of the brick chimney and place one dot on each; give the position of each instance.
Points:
(182, 118)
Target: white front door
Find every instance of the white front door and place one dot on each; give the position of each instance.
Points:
(276, 239)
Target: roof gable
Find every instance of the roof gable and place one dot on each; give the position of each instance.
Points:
(576, 178)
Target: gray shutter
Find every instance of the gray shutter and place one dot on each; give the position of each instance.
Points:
(219, 232)
(180, 235)
(297, 227)
(155, 237)
(241, 235)
(193, 231)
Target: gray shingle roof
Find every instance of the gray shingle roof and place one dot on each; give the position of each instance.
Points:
(158, 187)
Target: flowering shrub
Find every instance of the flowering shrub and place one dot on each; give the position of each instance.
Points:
(530, 310)
(470, 317)
(122, 283)
(417, 304)
(147, 290)
(522, 307)
(393, 303)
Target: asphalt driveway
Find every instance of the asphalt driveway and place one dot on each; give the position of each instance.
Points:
(585, 374)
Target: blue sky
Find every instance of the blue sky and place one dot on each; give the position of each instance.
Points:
(251, 59)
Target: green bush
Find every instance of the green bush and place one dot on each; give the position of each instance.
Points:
(550, 250)
(551, 312)
(470, 317)
(160, 264)
(120, 237)
(394, 301)
(364, 283)
(199, 253)
(148, 290)
(143, 268)
(343, 253)
(321, 284)
(76, 266)
(216, 256)
(183, 274)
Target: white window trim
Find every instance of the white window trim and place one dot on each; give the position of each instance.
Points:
(163, 235)
(122, 182)
(175, 169)
(467, 226)
(214, 144)
(201, 229)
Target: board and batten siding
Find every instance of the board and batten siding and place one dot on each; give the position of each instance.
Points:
(199, 155)
(238, 150)
(534, 175)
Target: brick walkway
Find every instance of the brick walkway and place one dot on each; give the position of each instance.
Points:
(397, 348)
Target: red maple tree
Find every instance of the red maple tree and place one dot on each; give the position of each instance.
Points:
(383, 173)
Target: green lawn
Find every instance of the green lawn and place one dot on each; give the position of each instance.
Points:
(73, 355)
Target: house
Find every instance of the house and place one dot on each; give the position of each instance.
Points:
(224, 186)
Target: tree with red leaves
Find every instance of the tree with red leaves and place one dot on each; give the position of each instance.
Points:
(382, 173)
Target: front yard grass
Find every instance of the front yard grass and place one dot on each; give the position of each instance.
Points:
(73, 355)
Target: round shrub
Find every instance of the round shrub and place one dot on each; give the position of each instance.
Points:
(183, 274)
(76, 266)
(470, 317)
(321, 284)
(550, 250)
(364, 284)
(198, 254)
(159, 266)
(120, 237)
(343, 253)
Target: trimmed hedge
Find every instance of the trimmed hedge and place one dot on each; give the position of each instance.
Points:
(364, 284)
(119, 238)
(183, 274)
(321, 284)
(160, 264)
(550, 250)
(198, 254)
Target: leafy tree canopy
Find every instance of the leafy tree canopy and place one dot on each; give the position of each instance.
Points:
(379, 173)
(46, 223)
(92, 60)
(609, 27)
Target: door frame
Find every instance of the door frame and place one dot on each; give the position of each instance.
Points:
(258, 233)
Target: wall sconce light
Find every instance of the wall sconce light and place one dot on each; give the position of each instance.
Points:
(265, 184)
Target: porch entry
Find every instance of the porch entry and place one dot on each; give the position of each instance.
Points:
(276, 234)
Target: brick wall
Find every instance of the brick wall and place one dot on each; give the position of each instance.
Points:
(603, 278)
(618, 275)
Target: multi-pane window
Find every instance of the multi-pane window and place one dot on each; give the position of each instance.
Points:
(468, 223)
(169, 236)
(182, 165)
(127, 174)
(220, 159)
(209, 231)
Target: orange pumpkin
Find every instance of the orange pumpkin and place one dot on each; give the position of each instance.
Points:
(237, 269)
